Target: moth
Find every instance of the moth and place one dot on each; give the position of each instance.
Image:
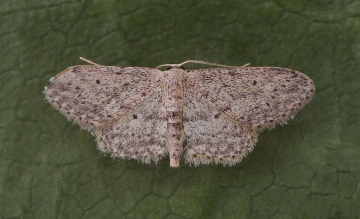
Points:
(146, 114)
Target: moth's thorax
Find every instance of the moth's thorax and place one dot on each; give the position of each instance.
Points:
(174, 94)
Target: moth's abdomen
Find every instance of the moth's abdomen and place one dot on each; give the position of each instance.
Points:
(174, 103)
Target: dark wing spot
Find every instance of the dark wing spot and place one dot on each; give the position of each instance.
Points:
(135, 116)
(97, 81)
(216, 116)
(254, 83)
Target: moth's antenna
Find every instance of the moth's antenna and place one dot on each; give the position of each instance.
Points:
(210, 63)
(201, 62)
(88, 61)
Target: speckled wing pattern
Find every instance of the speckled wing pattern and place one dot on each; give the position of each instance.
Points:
(145, 114)
(120, 105)
(140, 136)
(226, 108)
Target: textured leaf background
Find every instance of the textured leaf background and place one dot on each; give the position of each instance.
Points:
(50, 168)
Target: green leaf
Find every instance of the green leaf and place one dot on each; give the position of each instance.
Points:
(50, 168)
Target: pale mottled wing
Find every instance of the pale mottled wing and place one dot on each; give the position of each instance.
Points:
(213, 136)
(93, 96)
(105, 99)
(253, 98)
(140, 135)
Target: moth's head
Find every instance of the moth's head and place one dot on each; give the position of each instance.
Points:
(175, 67)
(171, 66)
